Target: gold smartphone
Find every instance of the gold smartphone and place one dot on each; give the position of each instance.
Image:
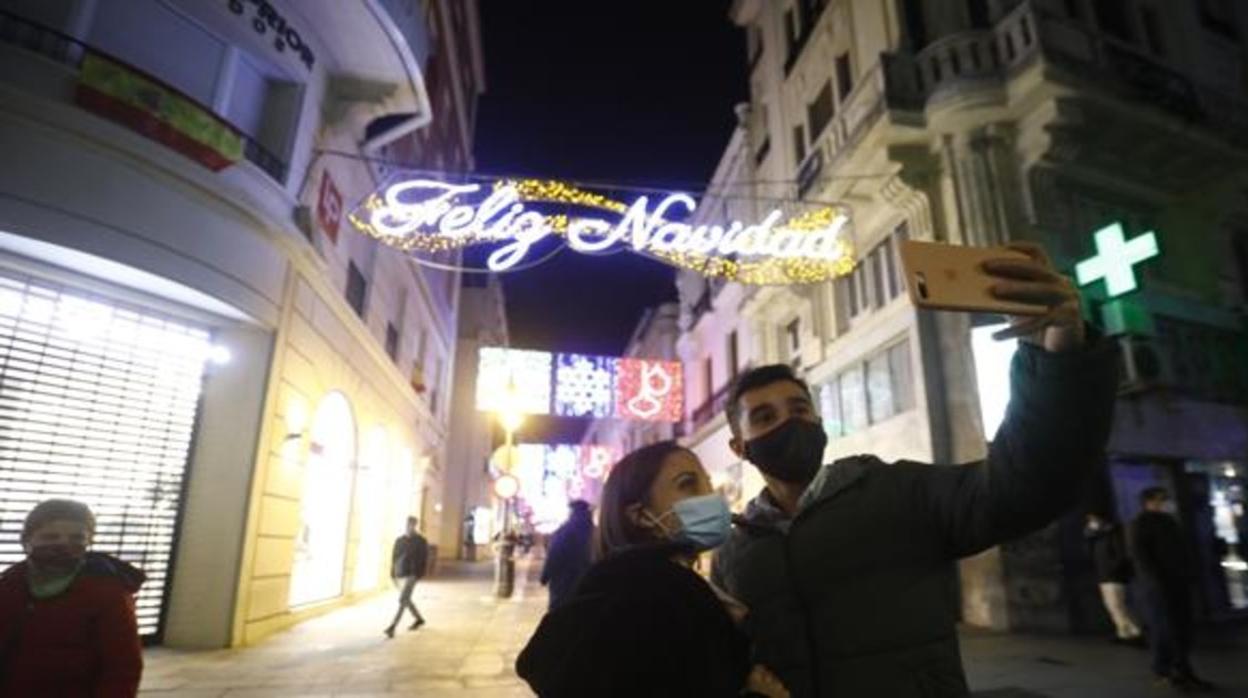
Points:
(951, 277)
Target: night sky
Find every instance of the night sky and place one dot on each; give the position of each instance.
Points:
(635, 93)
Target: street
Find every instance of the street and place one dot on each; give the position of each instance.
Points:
(469, 645)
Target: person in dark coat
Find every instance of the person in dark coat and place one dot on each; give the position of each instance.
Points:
(1166, 570)
(67, 621)
(849, 569)
(408, 561)
(642, 622)
(568, 555)
(1113, 572)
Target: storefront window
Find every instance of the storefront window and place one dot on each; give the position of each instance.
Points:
(321, 545)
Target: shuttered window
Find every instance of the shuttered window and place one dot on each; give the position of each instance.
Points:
(98, 402)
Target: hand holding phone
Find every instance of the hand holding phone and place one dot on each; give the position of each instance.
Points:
(1017, 280)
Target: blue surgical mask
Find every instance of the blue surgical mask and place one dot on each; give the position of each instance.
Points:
(705, 521)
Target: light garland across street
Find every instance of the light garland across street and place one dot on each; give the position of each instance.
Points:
(423, 214)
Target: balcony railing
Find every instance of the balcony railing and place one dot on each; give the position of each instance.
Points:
(64, 49)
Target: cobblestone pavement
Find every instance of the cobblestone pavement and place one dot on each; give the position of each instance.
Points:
(469, 645)
(466, 649)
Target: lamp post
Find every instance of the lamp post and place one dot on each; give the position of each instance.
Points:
(506, 487)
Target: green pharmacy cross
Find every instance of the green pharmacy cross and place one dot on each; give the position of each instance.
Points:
(1115, 259)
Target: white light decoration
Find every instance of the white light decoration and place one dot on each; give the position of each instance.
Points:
(427, 214)
(529, 371)
(584, 385)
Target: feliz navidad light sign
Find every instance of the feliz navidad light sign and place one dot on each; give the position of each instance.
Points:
(422, 214)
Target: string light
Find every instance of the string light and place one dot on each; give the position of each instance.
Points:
(375, 217)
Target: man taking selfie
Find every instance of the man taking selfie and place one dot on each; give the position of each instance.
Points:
(848, 569)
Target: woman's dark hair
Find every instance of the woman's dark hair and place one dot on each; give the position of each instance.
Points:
(628, 484)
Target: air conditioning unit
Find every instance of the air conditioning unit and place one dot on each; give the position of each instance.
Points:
(1141, 364)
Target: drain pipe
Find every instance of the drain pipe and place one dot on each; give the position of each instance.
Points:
(424, 113)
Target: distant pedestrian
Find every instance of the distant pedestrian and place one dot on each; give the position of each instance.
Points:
(642, 622)
(1113, 572)
(1166, 576)
(67, 622)
(569, 553)
(470, 538)
(408, 562)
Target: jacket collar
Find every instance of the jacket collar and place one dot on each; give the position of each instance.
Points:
(831, 480)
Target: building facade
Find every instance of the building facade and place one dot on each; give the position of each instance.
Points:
(979, 123)
(194, 341)
(468, 502)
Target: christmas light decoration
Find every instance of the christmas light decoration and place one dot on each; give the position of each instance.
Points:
(523, 374)
(427, 215)
(584, 385)
(650, 390)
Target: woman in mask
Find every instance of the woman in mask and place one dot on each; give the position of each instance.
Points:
(642, 622)
(67, 624)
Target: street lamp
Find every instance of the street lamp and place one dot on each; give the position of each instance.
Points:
(506, 488)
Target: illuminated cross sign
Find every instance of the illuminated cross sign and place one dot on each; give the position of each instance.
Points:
(513, 216)
(1115, 259)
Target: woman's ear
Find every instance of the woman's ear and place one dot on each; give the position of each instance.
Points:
(634, 514)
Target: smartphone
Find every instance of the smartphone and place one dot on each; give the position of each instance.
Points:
(951, 277)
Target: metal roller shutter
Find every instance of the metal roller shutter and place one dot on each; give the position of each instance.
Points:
(97, 403)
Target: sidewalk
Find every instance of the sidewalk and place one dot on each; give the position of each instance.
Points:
(466, 649)
(1039, 666)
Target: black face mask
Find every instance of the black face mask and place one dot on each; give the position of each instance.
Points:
(792, 452)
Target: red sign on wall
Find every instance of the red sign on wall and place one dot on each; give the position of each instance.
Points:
(650, 390)
(329, 207)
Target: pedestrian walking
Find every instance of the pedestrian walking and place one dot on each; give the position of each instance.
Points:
(642, 622)
(408, 562)
(67, 622)
(847, 568)
(1113, 572)
(569, 553)
(1167, 573)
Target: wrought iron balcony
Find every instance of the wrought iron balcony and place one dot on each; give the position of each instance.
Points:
(64, 49)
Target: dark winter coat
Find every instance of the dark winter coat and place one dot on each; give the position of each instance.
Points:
(1109, 554)
(410, 557)
(855, 595)
(568, 557)
(81, 643)
(639, 624)
(1161, 552)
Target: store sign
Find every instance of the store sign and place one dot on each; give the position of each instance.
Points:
(266, 18)
(514, 216)
(1115, 259)
(579, 385)
(329, 207)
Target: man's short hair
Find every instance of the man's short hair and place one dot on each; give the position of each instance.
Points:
(579, 506)
(1153, 494)
(756, 378)
(57, 510)
(413, 521)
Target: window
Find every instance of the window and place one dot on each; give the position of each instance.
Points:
(734, 358)
(392, 341)
(1112, 18)
(979, 13)
(357, 288)
(790, 31)
(876, 270)
(916, 23)
(853, 400)
(903, 377)
(1218, 16)
(793, 338)
(844, 76)
(880, 389)
(1152, 30)
(799, 143)
(892, 279)
(435, 381)
(708, 378)
(829, 395)
(819, 112)
(193, 68)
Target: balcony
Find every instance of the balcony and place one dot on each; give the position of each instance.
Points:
(713, 406)
(120, 92)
